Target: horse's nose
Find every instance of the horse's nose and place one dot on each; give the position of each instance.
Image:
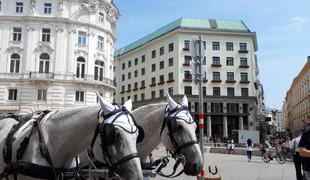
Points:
(196, 168)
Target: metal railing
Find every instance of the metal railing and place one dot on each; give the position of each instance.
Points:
(41, 76)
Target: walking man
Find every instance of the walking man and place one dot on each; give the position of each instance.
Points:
(304, 148)
(297, 158)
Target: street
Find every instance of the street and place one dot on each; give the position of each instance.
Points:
(236, 167)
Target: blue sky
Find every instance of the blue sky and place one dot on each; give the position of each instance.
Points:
(282, 27)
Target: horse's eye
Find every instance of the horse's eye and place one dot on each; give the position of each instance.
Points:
(180, 126)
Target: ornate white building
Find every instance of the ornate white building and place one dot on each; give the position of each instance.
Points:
(55, 53)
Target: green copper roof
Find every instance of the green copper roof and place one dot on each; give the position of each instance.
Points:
(187, 23)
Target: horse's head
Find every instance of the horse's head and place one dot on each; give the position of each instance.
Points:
(178, 135)
(119, 134)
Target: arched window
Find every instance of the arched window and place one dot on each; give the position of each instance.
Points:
(99, 70)
(80, 67)
(14, 65)
(44, 65)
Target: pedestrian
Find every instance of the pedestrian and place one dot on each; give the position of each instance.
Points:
(232, 146)
(304, 148)
(296, 157)
(249, 148)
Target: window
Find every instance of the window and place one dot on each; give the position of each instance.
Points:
(135, 98)
(186, 45)
(187, 75)
(129, 64)
(136, 85)
(216, 76)
(123, 88)
(100, 42)
(243, 61)
(12, 94)
(19, 7)
(79, 96)
(47, 8)
(188, 90)
(216, 91)
(80, 67)
(204, 61)
(161, 65)
(46, 34)
(154, 54)
(81, 38)
(161, 93)
(170, 62)
(170, 91)
(216, 46)
(230, 91)
(204, 91)
(123, 77)
(17, 34)
(244, 92)
(136, 73)
(143, 58)
(170, 76)
(229, 61)
(153, 94)
(230, 76)
(161, 51)
(243, 47)
(15, 62)
(143, 83)
(245, 108)
(41, 95)
(122, 100)
(136, 61)
(229, 46)
(129, 87)
(123, 66)
(142, 71)
(161, 79)
(100, 17)
(99, 70)
(142, 96)
(244, 76)
(216, 60)
(129, 75)
(204, 45)
(153, 67)
(170, 47)
(153, 80)
(44, 63)
(0, 6)
(187, 59)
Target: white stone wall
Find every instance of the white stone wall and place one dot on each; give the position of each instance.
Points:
(66, 19)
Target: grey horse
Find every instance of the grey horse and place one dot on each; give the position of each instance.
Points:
(69, 132)
(151, 118)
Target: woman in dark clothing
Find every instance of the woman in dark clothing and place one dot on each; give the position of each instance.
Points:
(249, 149)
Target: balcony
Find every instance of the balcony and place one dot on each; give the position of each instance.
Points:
(231, 81)
(204, 80)
(244, 66)
(129, 90)
(153, 84)
(216, 81)
(244, 82)
(170, 81)
(256, 85)
(142, 87)
(216, 65)
(10, 76)
(243, 51)
(186, 49)
(185, 64)
(135, 89)
(187, 79)
(161, 83)
(41, 76)
(122, 92)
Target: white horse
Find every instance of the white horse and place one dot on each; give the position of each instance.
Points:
(68, 132)
(175, 127)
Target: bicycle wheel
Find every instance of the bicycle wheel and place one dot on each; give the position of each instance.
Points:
(280, 158)
(266, 160)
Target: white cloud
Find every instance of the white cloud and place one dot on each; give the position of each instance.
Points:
(296, 24)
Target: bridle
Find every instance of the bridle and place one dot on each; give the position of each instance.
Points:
(107, 134)
(170, 122)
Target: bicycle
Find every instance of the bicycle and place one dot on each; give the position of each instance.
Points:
(275, 154)
(287, 153)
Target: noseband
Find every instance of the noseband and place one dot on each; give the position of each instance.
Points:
(171, 124)
(107, 136)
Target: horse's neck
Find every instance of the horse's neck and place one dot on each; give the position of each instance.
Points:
(151, 123)
(67, 133)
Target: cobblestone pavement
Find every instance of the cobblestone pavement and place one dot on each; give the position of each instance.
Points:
(236, 167)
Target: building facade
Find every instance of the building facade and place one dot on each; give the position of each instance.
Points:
(55, 53)
(161, 62)
(297, 101)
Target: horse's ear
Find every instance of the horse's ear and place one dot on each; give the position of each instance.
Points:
(184, 101)
(128, 105)
(171, 103)
(106, 106)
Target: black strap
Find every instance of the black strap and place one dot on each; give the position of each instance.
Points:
(126, 158)
(175, 167)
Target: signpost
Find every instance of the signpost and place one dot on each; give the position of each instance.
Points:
(197, 53)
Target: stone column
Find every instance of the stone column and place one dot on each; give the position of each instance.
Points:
(209, 126)
(241, 123)
(225, 130)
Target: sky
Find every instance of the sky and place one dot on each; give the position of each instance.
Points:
(282, 28)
